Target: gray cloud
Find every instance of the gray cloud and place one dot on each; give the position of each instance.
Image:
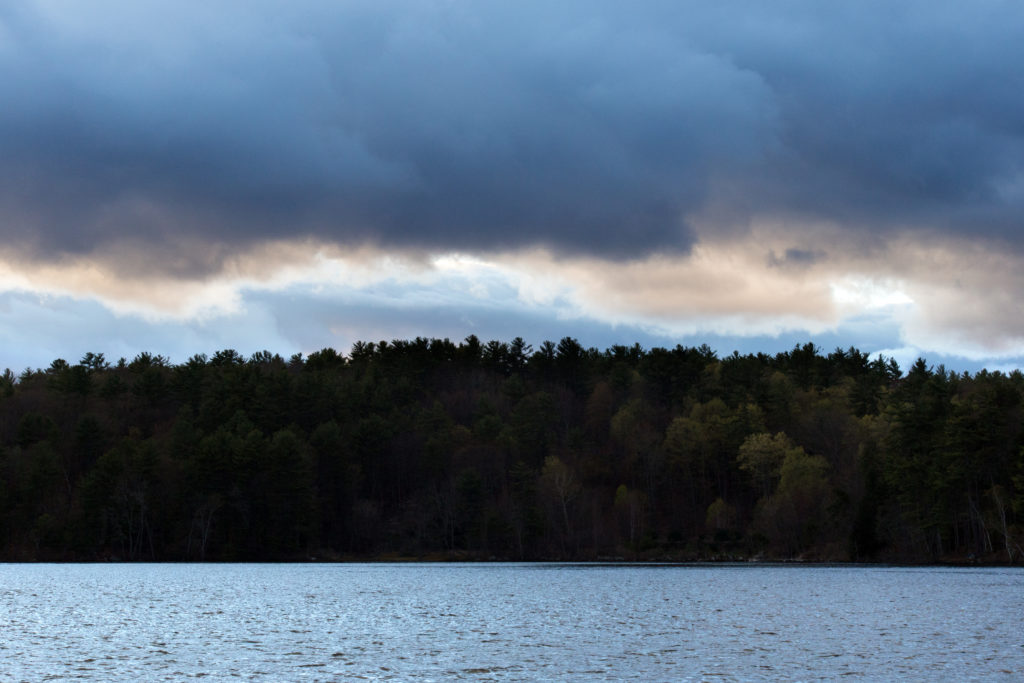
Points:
(591, 127)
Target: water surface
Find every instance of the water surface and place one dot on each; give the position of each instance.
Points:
(509, 622)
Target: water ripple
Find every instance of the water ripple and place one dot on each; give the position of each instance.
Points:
(507, 622)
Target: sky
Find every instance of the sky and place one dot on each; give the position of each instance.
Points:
(186, 177)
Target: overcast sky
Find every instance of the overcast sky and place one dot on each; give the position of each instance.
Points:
(191, 176)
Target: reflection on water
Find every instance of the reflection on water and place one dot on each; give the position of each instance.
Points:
(508, 622)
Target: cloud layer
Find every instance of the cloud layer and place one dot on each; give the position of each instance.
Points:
(593, 126)
(663, 168)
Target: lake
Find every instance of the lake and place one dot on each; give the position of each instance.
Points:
(508, 622)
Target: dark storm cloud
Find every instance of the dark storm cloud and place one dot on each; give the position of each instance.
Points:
(796, 258)
(904, 113)
(591, 126)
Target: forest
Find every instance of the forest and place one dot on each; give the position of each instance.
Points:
(429, 449)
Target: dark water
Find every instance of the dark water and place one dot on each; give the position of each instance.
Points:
(508, 622)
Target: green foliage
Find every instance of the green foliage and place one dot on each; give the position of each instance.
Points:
(791, 517)
(721, 516)
(34, 427)
(762, 455)
(494, 449)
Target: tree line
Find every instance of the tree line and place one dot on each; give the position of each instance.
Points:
(428, 448)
